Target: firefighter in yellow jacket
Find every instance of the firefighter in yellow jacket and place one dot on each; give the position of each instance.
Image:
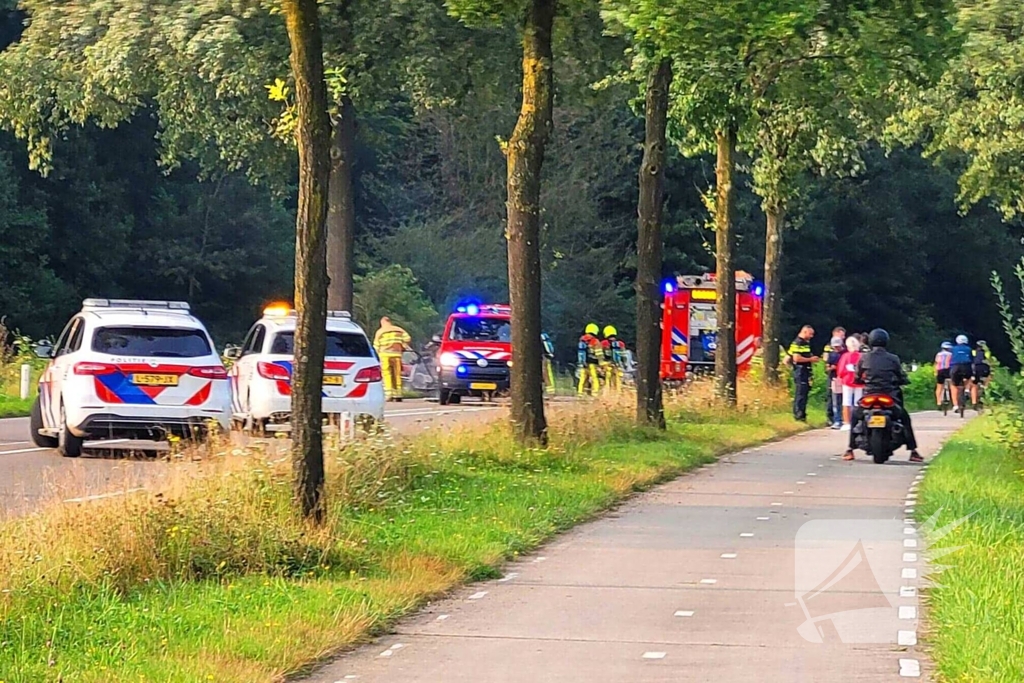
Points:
(614, 358)
(589, 355)
(390, 341)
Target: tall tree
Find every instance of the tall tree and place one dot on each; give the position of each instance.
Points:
(737, 60)
(525, 158)
(312, 136)
(974, 113)
(649, 407)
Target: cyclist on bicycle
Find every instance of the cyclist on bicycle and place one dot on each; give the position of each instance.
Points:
(961, 367)
(981, 371)
(943, 361)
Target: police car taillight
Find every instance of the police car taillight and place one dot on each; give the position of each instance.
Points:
(369, 375)
(212, 372)
(92, 369)
(272, 371)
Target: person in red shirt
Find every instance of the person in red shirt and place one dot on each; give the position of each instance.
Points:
(846, 370)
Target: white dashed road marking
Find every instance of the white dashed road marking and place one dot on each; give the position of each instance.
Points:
(907, 638)
(684, 613)
(909, 573)
(910, 668)
(654, 655)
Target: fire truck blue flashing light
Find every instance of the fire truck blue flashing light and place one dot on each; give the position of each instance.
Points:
(758, 289)
(668, 288)
(468, 309)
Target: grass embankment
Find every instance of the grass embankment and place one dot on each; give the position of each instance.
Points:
(976, 611)
(11, 404)
(216, 580)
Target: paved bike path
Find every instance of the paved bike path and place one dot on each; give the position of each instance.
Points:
(727, 574)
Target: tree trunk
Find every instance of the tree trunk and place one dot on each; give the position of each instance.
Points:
(341, 210)
(773, 293)
(525, 157)
(649, 408)
(313, 138)
(725, 269)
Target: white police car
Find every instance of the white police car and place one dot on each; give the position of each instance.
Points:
(125, 369)
(262, 373)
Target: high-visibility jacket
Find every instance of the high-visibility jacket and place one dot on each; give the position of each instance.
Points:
(391, 340)
(589, 350)
(614, 350)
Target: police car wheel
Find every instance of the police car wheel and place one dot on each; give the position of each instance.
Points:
(68, 445)
(35, 423)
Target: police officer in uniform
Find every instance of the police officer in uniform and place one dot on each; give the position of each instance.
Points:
(803, 360)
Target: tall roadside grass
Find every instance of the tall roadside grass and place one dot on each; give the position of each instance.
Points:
(976, 609)
(214, 578)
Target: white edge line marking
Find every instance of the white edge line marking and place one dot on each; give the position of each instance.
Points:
(728, 556)
(443, 617)
(778, 505)
(908, 592)
(910, 531)
(910, 543)
(910, 668)
(508, 577)
(910, 557)
(654, 655)
(801, 482)
(477, 595)
(763, 519)
(684, 613)
(25, 450)
(747, 534)
(709, 582)
(101, 496)
(909, 573)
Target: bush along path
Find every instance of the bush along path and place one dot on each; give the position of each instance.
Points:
(216, 580)
(976, 607)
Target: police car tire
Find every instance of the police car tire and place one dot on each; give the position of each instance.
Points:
(35, 423)
(68, 445)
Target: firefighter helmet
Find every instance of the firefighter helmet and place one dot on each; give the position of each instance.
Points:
(593, 329)
(610, 331)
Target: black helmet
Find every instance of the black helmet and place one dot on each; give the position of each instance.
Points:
(878, 337)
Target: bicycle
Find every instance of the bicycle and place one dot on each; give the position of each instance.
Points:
(965, 392)
(947, 396)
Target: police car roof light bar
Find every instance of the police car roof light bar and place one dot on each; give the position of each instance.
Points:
(180, 306)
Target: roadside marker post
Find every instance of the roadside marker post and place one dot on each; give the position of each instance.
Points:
(26, 380)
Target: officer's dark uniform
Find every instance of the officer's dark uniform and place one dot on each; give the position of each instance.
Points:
(882, 373)
(801, 348)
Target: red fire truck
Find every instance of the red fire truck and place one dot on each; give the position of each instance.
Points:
(689, 335)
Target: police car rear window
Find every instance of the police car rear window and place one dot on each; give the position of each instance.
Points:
(338, 344)
(482, 329)
(151, 342)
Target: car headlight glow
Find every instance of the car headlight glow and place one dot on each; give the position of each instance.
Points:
(449, 360)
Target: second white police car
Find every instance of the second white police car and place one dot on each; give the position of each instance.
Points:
(262, 372)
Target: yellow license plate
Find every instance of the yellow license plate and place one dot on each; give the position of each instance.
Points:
(483, 386)
(876, 421)
(334, 380)
(155, 380)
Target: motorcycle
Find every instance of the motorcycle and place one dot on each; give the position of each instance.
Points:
(880, 430)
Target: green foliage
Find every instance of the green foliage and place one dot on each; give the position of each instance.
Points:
(394, 292)
(976, 111)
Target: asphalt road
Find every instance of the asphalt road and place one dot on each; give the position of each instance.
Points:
(31, 475)
(728, 575)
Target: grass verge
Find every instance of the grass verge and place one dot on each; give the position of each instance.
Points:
(976, 610)
(215, 580)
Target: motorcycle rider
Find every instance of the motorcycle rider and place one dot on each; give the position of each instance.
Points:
(882, 374)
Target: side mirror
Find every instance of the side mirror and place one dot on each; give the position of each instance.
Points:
(232, 352)
(43, 350)
(436, 339)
